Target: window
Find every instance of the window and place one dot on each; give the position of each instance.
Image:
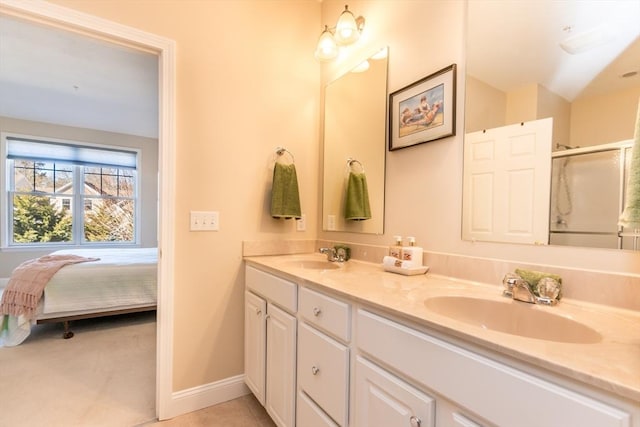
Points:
(69, 194)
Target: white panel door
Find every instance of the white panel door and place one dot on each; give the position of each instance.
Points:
(281, 366)
(255, 333)
(507, 178)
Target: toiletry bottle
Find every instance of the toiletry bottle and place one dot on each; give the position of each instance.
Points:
(412, 253)
(396, 249)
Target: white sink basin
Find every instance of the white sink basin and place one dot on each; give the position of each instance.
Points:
(313, 264)
(513, 317)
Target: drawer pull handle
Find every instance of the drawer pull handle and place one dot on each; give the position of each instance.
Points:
(315, 370)
(415, 421)
(316, 311)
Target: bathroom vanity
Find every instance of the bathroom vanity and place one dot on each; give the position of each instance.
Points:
(329, 344)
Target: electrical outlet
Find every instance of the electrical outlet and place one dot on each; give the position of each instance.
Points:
(331, 222)
(204, 221)
(301, 224)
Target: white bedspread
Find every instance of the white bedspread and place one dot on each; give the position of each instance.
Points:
(122, 278)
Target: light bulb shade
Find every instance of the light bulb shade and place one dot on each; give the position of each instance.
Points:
(347, 31)
(327, 48)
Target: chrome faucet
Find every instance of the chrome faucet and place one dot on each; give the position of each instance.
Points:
(547, 290)
(334, 254)
(330, 253)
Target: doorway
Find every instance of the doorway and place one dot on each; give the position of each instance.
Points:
(61, 17)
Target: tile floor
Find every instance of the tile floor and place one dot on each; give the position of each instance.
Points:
(245, 411)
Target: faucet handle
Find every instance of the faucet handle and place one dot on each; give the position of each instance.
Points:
(548, 290)
(509, 281)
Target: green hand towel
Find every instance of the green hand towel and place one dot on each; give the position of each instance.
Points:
(357, 204)
(285, 199)
(631, 214)
(533, 277)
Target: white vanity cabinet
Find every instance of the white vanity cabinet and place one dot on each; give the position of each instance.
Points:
(323, 356)
(270, 343)
(315, 358)
(255, 344)
(500, 394)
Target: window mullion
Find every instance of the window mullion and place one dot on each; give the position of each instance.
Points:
(78, 205)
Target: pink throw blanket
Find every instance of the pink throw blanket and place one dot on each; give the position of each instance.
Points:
(27, 282)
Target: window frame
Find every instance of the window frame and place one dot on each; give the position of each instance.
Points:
(77, 201)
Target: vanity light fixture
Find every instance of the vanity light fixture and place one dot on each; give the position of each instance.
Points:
(347, 31)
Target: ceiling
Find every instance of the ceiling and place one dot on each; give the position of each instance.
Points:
(51, 75)
(523, 45)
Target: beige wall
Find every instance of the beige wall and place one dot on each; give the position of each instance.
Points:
(605, 118)
(246, 83)
(148, 180)
(552, 105)
(487, 109)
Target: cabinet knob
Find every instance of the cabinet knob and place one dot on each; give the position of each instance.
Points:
(315, 370)
(316, 311)
(415, 421)
(258, 312)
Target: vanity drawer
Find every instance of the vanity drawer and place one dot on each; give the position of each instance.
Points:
(327, 313)
(277, 290)
(323, 372)
(503, 395)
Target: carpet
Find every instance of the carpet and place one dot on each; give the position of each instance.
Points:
(103, 376)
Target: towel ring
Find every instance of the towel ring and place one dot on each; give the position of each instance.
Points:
(351, 161)
(280, 151)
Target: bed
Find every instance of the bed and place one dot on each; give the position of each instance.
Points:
(121, 281)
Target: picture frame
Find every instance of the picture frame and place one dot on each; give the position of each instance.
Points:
(424, 110)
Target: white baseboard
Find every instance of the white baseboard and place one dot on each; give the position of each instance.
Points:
(196, 398)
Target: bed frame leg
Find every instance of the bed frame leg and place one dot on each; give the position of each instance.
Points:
(68, 333)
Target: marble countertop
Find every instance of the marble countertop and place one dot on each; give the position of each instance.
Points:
(612, 364)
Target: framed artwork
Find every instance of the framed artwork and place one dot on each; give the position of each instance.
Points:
(423, 111)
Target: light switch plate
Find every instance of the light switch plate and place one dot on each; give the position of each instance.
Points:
(204, 221)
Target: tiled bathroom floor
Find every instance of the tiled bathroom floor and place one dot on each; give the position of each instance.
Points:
(245, 411)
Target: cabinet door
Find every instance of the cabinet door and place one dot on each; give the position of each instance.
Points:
(281, 366)
(384, 400)
(309, 415)
(255, 332)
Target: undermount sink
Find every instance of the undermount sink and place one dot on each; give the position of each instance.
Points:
(313, 264)
(513, 317)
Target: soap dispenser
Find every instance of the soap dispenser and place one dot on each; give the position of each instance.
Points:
(396, 249)
(412, 253)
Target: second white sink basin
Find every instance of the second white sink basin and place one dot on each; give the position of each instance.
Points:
(513, 317)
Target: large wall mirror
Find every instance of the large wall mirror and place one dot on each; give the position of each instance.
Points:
(355, 143)
(571, 66)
